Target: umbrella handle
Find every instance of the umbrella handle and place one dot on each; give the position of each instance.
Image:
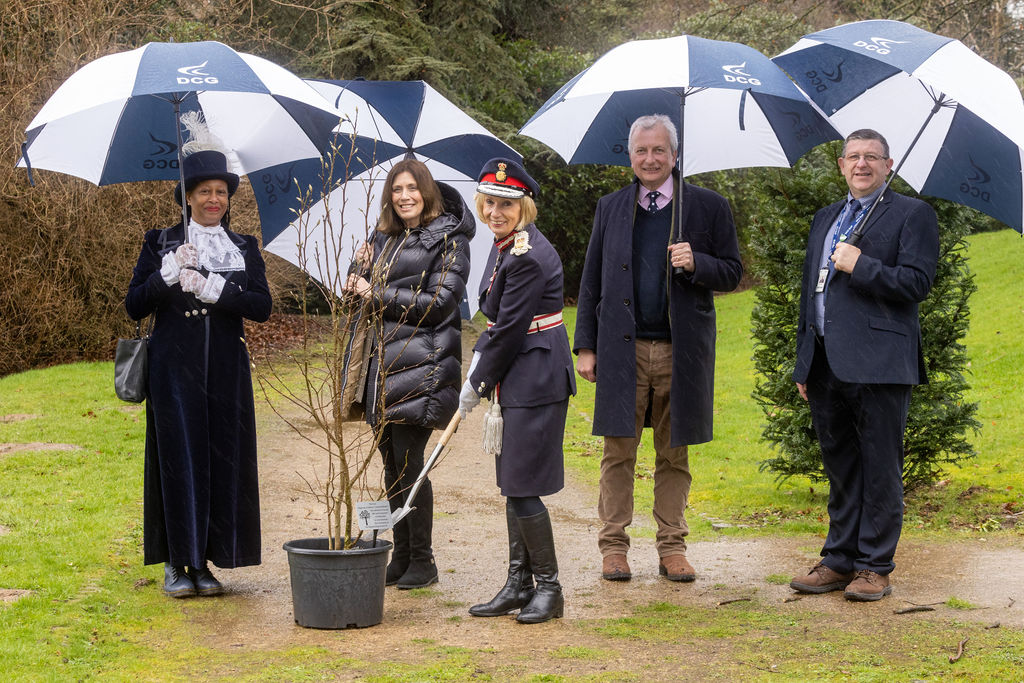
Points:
(855, 236)
(677, 214)
(677, 207)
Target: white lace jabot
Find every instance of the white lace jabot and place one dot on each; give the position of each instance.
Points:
(217, 253)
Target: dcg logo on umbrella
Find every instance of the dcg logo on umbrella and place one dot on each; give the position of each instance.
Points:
(817, 78)
(276, 182)
(193, 75)
(979, 177)
(801, 130)
(163, 148)
(882, 46)
(736, 74)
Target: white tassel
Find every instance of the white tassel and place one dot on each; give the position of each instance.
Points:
(493, 427)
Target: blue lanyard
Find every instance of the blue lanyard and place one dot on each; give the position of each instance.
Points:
(836, 236)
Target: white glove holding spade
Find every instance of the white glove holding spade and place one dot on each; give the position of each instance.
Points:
(469, 399)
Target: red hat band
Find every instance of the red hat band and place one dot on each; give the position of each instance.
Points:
(509, 180)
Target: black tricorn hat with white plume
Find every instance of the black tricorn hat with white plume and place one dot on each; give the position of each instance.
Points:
(204, 158)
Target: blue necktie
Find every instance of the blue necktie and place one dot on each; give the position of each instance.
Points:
(652, 200)
(851, 214)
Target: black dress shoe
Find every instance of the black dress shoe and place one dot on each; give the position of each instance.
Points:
(204, 581)
(420, 574)
(177, 584)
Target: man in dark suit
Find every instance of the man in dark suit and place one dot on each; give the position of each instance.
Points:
(858, 354)
(645, 331)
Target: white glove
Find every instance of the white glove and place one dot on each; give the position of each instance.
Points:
(468, 399)
(169, 269)
(187, 256)
(472, 363)
(191, 281)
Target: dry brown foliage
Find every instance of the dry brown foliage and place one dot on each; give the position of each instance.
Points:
(67, 248)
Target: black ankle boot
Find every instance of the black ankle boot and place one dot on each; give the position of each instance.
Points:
(547, 602)
(205, 583)
(420, 574)
(518, 589)
(177, 584)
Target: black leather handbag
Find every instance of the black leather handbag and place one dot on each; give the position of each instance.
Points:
(131, 366)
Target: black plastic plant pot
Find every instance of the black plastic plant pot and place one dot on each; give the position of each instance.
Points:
(337, 588)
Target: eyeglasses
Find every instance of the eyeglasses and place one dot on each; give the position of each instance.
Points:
(869, 158)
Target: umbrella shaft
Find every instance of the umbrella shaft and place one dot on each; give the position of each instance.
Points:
(854, 238)
(181, 167)
(678, 212)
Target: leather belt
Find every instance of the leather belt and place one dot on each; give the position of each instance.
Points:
(540, 322)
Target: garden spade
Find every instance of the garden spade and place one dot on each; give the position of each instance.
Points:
(427, 466)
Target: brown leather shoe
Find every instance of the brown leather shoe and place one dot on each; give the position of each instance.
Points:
(821, 579)
(676, 568)
(615, 568)
(868, 587)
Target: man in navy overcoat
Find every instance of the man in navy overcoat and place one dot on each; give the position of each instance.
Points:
(645, 332)
(858, 354)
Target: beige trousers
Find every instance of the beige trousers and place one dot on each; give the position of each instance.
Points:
(671, 465)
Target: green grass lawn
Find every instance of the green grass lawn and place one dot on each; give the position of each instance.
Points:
(74, 527)
(70, 525)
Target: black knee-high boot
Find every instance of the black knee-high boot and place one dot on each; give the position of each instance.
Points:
(412, 564)
(518, 589)
(422, 571)
(547, 602)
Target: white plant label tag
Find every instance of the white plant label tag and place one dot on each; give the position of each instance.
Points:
(373, 514)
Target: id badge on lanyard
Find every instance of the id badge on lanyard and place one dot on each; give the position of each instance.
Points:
(822, 279)
(837, 238)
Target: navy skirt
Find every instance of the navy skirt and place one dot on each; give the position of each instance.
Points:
(531, 460)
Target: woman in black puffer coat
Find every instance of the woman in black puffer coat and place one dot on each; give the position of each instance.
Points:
(414, 278)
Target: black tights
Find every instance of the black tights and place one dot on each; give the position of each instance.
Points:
(526, 506)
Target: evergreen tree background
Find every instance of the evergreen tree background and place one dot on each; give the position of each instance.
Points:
(940, 417)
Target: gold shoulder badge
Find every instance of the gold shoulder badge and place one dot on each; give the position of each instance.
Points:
(500, 176)
(522, 243)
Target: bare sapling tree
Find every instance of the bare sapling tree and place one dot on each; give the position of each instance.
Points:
(320, 389)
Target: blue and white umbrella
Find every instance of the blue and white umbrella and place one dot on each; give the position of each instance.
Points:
(382, 123)
(736, 107)
(117, 119)
(954, 122)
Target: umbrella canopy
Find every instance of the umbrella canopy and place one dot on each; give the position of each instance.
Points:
(117, 119)
(954, 122)
(382, 123)
(736, 107)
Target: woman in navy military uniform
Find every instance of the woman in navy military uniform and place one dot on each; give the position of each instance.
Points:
(523, 364)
